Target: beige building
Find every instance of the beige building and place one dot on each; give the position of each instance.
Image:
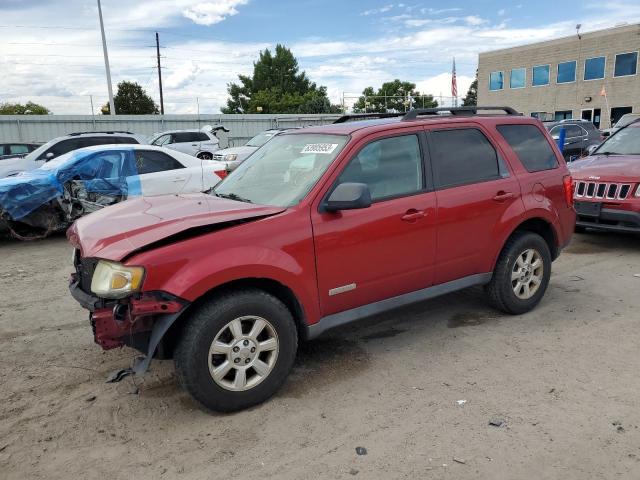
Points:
(564, 78)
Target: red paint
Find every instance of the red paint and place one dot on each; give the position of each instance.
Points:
(393, 247)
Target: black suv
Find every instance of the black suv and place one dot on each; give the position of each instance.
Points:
(579, 136)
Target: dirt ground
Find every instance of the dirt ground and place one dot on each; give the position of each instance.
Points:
(416, 388)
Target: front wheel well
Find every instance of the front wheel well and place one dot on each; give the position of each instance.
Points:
(542, 228)
(272, 287)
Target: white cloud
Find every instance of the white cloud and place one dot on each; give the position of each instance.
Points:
(64, 74)
(209, 13)
(474, 20)
(502, 12)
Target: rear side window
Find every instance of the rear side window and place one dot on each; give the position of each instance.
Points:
(90, 141)
(530, 145)
(185, 137)
(462, 156)
(201, 137)
(391, 167)
(149, 161)
(125, 140)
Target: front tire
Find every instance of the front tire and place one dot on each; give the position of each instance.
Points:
(205, 156)
(521, 275)
(236, 350)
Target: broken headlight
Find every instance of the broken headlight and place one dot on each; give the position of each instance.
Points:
(114, 280)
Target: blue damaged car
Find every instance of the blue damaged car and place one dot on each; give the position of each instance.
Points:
(48, 199)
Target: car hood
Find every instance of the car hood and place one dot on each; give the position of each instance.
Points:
(613, 168)
(116, 232)
(11, 165)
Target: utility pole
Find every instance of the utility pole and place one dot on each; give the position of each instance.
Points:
(112, 107)
(159, 74)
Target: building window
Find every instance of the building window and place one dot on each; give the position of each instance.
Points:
(563, 115)
(617, 113)
(496, 81)
(626, 64)
(540, 75)
(542, 116)
(594, 68)
(517, 78)
(566, 72)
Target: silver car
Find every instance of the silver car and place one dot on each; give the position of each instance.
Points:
(234, 156)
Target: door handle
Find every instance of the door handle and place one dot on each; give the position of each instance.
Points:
(412, 215)
(194, 144)
(178, 179)
(501, 196)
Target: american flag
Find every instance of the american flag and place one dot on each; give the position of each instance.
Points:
(454, 82)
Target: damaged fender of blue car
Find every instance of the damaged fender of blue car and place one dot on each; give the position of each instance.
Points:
(78, 182)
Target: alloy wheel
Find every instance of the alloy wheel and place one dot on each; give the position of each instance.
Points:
(243, 353)
(527, 274)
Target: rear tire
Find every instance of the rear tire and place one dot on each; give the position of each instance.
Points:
(579, 229)
(521, 275)
(223, 364)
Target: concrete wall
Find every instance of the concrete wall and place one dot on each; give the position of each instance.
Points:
(41, 128)
(621, 91)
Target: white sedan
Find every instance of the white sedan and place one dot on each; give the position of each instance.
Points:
(51, 197)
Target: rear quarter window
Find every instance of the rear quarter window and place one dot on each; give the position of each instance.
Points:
(530, 146)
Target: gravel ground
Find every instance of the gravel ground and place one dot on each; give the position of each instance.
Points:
(416, 388)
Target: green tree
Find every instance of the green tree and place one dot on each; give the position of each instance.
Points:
(28, 108)
(131, 99)
(277, 86)
(472, 94)
(395, 96)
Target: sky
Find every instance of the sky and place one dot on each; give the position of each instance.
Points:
(51, 51)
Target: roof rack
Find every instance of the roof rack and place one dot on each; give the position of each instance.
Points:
(107, 131)
(463, 111)
(366, 116)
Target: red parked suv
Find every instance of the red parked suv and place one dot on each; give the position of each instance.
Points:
(320, 227)
(607, 184)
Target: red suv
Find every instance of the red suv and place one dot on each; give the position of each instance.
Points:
(320, 227)
(607, 184)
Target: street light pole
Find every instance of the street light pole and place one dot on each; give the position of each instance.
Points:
(112, 107)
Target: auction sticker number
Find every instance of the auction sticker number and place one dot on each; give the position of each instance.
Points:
(325, 148)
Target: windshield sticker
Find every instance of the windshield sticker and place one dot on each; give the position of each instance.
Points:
(326, 148)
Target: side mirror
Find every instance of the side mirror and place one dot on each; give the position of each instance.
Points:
(49, 156)
(606, 134)
(591, 149)
(348, 196)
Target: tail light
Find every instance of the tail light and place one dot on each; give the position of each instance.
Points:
(569, 189)
(221, 173)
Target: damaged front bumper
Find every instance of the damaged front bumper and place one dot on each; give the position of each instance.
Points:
(139, 322)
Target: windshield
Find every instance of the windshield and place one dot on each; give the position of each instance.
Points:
(626, 120)
(260, 139)
(283, 171)
(624, 142)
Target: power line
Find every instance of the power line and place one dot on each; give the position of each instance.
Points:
(78, 44)
(67, 56)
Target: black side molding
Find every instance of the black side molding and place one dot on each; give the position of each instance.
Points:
(358, 313)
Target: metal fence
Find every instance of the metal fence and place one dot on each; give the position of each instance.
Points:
(42, 128)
